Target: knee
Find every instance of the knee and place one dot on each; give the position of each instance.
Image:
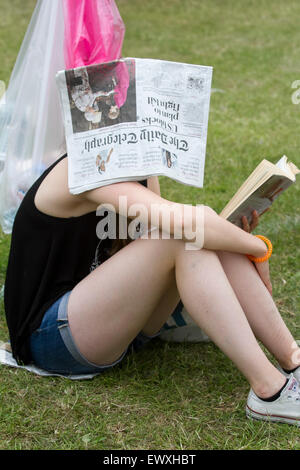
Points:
(162, 242)
(196, 256)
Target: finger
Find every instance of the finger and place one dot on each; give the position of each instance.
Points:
(255, 220)
(255, 216)
(245, 222)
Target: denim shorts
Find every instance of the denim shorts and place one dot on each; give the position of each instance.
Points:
(53, 347)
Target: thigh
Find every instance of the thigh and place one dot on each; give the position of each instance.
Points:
(109, 307)
(49, 349)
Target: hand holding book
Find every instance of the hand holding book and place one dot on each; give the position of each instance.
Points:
(250, 226)
(260, 190)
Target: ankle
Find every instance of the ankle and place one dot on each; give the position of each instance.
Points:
(290, 370)
(266, 390)
(292, 361)
(289, 365)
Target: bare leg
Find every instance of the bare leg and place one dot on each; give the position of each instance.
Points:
(211, 301)
(115, 302)
(164, 309)
(112, 304)
(259, 307)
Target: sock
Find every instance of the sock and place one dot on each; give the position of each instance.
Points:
(277, 395)
(290, 371)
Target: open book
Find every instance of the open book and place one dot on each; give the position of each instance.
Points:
(134, 118)
(258, 192)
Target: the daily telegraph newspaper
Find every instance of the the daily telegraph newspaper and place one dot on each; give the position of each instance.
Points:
(135, 118)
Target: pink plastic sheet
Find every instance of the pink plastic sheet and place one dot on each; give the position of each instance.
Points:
(94, 32)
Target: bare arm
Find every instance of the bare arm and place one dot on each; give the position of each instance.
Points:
(153, 184)
(219, 234)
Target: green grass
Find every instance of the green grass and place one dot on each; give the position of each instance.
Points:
(182, 396)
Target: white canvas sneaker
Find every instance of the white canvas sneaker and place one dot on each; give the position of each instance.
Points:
(296, 373)
(286, 409)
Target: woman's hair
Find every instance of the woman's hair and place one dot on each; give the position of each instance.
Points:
(120, 243)
(117, 245)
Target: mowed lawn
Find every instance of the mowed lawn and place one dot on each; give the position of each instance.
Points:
(182, 396)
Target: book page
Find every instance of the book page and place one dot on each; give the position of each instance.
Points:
(288, 167)
(257, 177)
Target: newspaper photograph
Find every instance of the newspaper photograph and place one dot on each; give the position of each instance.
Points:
(130, 119)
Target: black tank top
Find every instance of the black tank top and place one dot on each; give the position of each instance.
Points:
(48, 257)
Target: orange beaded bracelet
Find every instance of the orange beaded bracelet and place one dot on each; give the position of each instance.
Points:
(267, 255)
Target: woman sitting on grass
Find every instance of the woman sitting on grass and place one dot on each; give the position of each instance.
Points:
(70, 314)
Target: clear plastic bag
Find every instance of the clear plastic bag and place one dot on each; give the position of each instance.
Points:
(31, 127)
(61, 34)
(94, 32)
